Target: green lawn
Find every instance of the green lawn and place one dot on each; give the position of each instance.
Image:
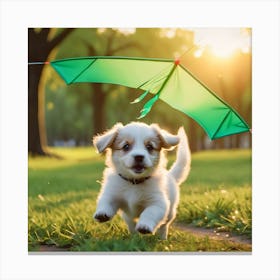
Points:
(62, 195)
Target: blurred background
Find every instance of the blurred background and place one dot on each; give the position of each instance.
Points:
(69, 115)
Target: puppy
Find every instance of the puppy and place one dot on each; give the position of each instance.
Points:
(136, 180)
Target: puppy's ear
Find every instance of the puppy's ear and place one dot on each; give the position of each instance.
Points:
(168, 141)
(104, 141)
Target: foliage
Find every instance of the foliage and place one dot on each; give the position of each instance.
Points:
(62, 195)
(69, 115)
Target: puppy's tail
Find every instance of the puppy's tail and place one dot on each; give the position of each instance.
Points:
(181, 167)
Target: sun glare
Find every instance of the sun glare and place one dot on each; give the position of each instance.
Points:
(222, 42)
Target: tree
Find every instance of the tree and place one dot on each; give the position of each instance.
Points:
(40, 44)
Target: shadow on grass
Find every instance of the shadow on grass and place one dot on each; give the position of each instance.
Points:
(45, 204)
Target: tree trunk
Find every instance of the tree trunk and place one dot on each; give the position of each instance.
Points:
(35, 146)
(192, 136)
(39, 48)
(98, 104)
(37, 51)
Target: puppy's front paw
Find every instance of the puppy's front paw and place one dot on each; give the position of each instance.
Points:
(101, 217)
(143, 229)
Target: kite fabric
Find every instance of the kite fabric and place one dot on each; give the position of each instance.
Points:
(166, 79)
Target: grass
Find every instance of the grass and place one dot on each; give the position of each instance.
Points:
(220, 192)
(62, 195)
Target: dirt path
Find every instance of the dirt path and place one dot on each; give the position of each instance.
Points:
(213, 234)
(51, 248)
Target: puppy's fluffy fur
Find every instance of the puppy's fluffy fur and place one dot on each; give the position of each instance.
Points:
(136, 180)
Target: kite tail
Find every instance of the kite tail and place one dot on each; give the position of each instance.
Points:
(181, 167)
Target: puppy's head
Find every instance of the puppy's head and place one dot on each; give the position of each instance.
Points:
(136, 148)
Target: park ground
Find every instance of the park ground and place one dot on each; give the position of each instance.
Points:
(214, 214)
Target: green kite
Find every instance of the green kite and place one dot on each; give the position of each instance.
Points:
(166, 79)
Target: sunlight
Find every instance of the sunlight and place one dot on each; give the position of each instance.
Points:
(126, 31)
(168, 32)
(222, 42)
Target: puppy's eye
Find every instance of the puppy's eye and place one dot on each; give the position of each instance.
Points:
(149, 147)
(126, 147)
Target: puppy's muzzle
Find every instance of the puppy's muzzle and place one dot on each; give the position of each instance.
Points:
(139, 165)
(138, 159)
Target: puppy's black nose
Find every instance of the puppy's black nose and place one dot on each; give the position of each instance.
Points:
(139, 158)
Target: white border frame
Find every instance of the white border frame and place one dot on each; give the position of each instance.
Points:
(261, 16)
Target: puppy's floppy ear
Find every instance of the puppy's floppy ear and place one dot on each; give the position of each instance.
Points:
(104, 141)
(167, 140)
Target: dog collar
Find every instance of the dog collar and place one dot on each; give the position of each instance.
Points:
(135, 181)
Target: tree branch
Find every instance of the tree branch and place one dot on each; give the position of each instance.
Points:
(44, 33)
(91, 49)
(109, 42)
(59, 38)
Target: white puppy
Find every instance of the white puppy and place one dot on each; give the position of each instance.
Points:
(136, 181)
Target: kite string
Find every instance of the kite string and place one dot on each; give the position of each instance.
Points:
(38, 63)
(187, 51)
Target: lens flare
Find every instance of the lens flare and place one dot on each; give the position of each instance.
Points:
(222, 42)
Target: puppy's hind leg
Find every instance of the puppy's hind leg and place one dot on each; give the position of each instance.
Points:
(130, 222)
(151, 217)
(163, 229)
